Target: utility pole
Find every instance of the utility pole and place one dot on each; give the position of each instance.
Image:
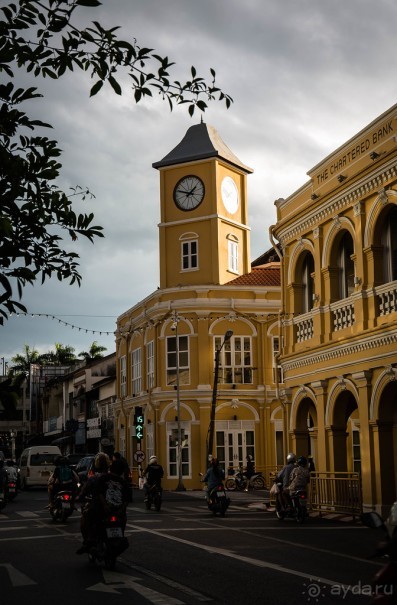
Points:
(211, 428)
(180, 487)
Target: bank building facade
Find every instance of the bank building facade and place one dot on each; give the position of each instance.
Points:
(338, 237)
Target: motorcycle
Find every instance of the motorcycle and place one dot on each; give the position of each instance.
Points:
(111, 541)
(62, 506)
(297, 508)
(240, 482)
(384, 583)
(154, 496)
(217, 501)
(11, 490)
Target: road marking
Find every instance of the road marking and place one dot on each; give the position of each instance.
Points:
(27, 513)
(249, 560)
(17, 577)
(11, 527)
(181, 587)
(114, 581)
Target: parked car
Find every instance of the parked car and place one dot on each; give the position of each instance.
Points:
(74, 459)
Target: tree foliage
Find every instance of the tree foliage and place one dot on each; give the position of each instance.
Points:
(95, 352)
(35, 214)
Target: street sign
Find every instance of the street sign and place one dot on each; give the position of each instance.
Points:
(139, 456)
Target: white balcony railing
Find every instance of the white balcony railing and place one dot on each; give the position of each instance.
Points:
(387, 298)
(343, 314)
(303, 327)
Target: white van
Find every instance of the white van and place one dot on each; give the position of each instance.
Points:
(36, 465)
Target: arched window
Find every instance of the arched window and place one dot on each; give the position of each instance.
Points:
(232, 251)
(189, 252)
(346, 266)
(389, 246)
(307, 283)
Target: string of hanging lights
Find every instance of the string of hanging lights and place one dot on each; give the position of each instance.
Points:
(66, 323)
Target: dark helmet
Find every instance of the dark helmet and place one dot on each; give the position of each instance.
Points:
(58, 460)
(302, 461)
(291, 458)
(214, 461)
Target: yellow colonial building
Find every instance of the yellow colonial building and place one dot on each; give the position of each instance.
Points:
(214, 316)
(338, 240)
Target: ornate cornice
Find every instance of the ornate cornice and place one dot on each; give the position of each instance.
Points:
(335, 205)
(338, 351)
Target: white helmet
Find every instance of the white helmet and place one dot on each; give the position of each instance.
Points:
(152, 459)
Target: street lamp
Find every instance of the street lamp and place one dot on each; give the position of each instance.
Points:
(210, 439)
(180, 487)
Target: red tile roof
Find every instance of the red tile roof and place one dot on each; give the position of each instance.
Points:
(264, 275)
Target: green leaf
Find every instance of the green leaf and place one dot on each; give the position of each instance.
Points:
(115, 85)
(88, 3)
(96, 88)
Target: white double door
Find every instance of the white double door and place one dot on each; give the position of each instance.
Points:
(233, 446)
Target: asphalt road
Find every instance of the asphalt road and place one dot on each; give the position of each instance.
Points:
(185, 555)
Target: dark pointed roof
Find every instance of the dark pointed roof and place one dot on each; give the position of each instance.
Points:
(200, 142)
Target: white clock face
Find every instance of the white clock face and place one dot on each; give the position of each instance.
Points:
(229, 193)
(189, 192)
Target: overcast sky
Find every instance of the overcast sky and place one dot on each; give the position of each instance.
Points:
(305, 76)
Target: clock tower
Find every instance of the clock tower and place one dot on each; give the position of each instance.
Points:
(203, 230)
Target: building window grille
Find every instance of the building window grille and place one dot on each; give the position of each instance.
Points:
(235, 361)
(183, 348)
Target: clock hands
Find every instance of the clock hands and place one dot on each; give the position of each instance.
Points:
(187, 193)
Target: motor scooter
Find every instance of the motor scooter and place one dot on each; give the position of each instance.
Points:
(296, 507)
(217, 500)
(11, 489)
(384, 583)
(154, 496)
(62, 506)
(111, 541)
(240, 482)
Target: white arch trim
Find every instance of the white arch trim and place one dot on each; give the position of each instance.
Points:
(385, 196)
(173, 404)
(242, 404)
(341, 385)
(387, 375)
(170, 321)
(300, 246)
(340, 222)
(302, 393)
(233, 318)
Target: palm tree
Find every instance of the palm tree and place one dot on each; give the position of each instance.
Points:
(95, 352)
(63, 355)
(22, 361)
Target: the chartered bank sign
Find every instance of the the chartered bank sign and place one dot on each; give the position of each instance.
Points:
(345, 160)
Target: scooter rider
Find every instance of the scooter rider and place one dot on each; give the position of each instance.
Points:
(249, 470)
(92, 508)
(63, 478)
(213, 477)
(299, 477)
(284, 477)
(153, 475)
